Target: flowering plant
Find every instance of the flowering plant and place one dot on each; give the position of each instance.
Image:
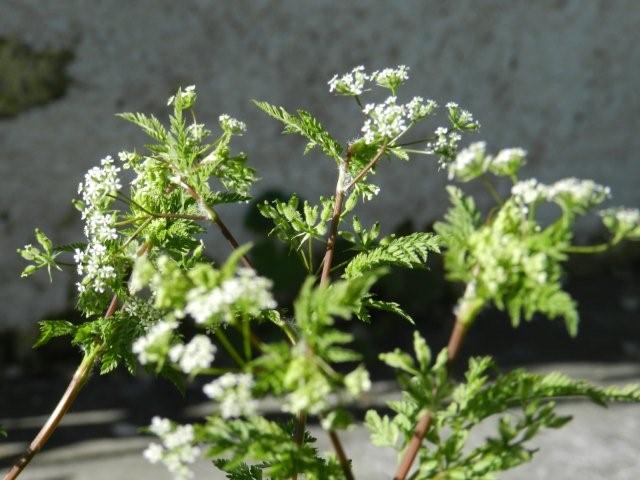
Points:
(144, 276)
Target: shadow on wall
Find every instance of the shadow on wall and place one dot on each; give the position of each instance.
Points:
(30, 78)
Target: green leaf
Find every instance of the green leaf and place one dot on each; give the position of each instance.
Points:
(149, 124)
(391, 307)
(50, 329)
(399, 360)
(423, 352)
(409, 251)
(304, 124)
(383, 432)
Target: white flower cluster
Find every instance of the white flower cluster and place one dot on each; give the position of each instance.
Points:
(627, 216)
(469, 163)
(391, 78)
(623, 222)
(233, 393)
(152, 347)
(460, 118)
(473, 161)
(529, 192)
(186, 96)
(508, 161)
(100, 184)
(197, 131)
(195, 355)
(503, 259)
(177, 449)
(573, 192)
(232, 125)
(584, 193)
(246, 291)
(388, 120)
(445, 145)
(351, 83)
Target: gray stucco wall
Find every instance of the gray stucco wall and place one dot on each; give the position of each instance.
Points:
(559, 78)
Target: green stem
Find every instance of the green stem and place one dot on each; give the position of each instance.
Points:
(601, 247)
(136, 233)
(246, 339)
(224, 340)
(491, 189)
(310, 253)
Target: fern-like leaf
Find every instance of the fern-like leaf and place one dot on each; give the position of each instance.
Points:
(409, 251)
(303, 123)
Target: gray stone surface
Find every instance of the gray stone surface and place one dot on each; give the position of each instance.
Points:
(599, 444)
(559, 78)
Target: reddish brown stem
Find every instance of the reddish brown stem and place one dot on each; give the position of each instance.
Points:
(78, 380)
(73, 389)
(215, 218)
(342, 457)
(335, 221)
(325, 277)
(455, 343)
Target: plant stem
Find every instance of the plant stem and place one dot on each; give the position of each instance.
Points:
(228, 346)
(324, 280)
(78, 381)
(366, 169)
(342, 457)
(80, 377)
(491, 189)
(601, 247)
(246, 339)
(215, 218)
(424, 423)
(335, 219)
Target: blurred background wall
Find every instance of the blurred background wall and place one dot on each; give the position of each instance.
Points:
(559, 78)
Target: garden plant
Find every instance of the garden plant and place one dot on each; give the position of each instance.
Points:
(146, 283)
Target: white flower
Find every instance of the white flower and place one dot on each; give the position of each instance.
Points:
(528, 192)
(98, 190)
(100, 182)
(351, 83)
(177, 449)
(460, 118)
(195, 355)
(233, 393)
(581, 193)
(386, 120)
(445, 145)
(246, 290)
(508, 161)
(391, 78)
(153, 453)
(150, 348)
(417, 108)
(470, 162)
(622, 222)
(232, 125)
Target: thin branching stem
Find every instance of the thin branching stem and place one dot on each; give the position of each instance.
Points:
(601, 247)
(325, 277)
(228, 346)
(488, 185)
(78, 381)
(369, 166)
(424, 423)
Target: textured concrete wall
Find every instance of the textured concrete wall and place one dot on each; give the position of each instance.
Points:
(559, 78)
